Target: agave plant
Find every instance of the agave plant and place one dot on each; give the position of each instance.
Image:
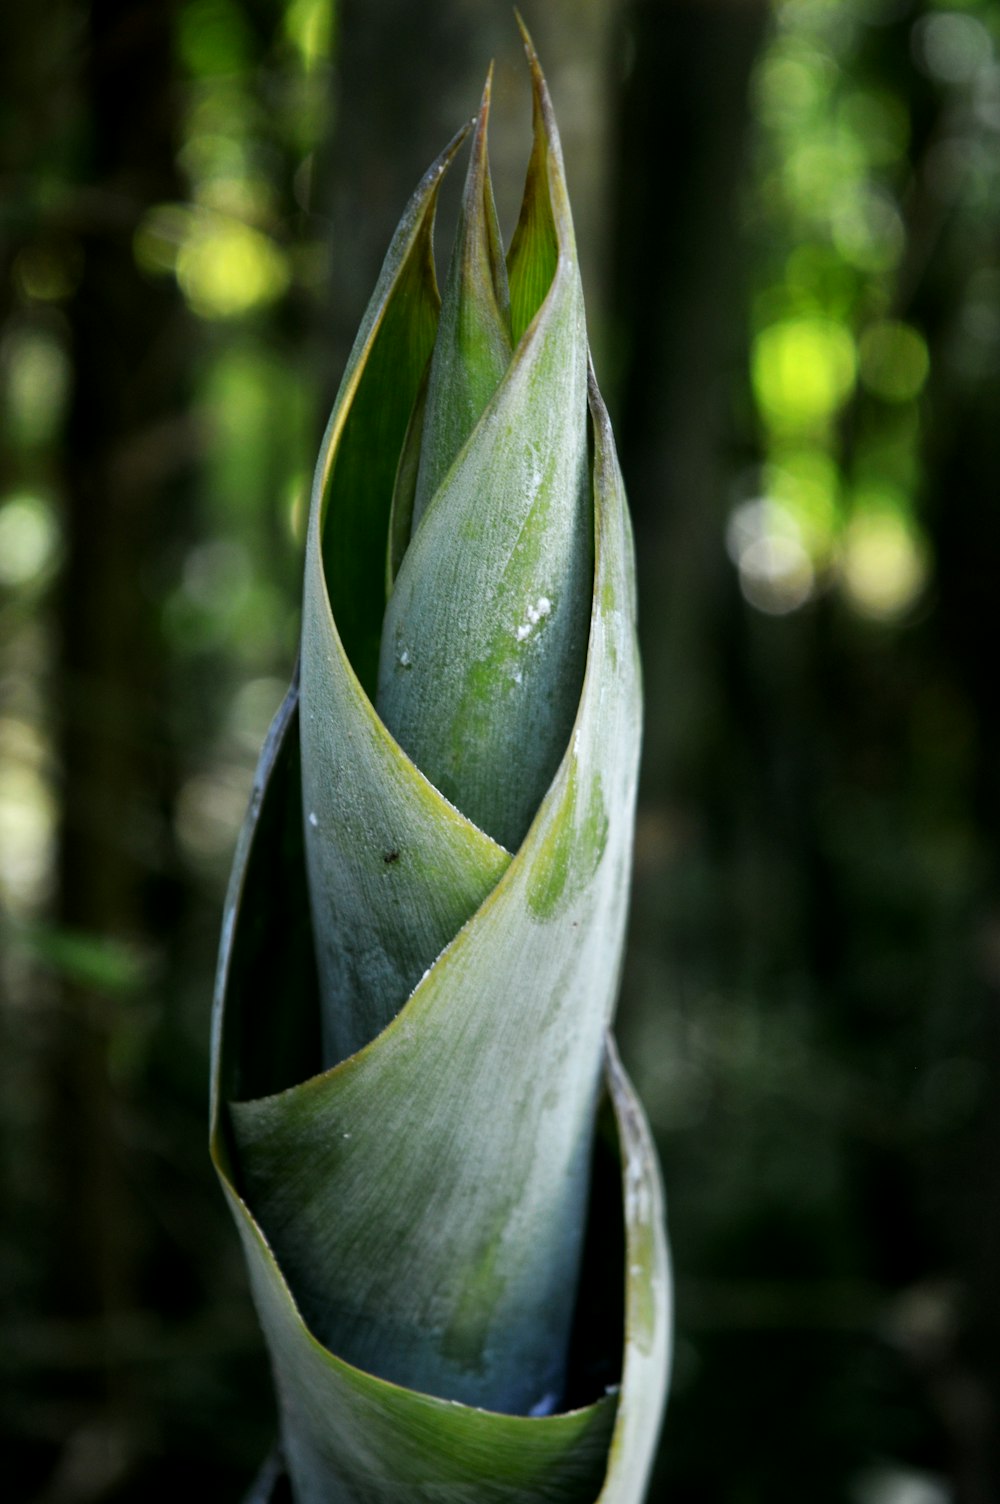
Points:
(443, 1181)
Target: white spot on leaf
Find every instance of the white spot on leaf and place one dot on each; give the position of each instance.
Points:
(533, 615)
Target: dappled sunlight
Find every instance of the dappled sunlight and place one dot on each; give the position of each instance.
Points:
(806, 483)
(29, 539)
(27, 817)
(894, 361)
(225, 179)
(48, 273)
(34, 385)
(885, 561)
(209, 811)
(765, 542)
(224, 267)
(845, 216)
(803, 371)
(866, 227)
(309, 26)
(951, 46)
(251, 711)
(878, 118)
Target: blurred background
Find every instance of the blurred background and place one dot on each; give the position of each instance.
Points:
(789, 217)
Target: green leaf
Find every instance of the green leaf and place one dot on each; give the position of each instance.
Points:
(369, 419)
(267, 994)
(456, 1246)
(394, 870)
(410, 1032)
(405, 488)
(347, 1435)
(485, 632)
(352, 1437)
(648, 1299)
(534, 250)
(473, 345)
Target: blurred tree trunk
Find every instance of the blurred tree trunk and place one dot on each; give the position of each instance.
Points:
(679, 307)
(680, 293)
(122, 446)
(963, 1375)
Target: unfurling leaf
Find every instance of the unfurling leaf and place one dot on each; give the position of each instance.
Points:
(424, 929)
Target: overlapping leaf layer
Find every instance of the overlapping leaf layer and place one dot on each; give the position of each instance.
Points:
(423, 934)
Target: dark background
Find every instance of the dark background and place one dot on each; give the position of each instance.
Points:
(789, 221)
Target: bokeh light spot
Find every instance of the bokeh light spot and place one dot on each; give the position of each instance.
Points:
(951, 47)
(885, 560)
(309, 27)
(818, 162)
(47, 274)
(213, 37)
(29, 538)
(27, 818)
(209, 811)
(806, 482)
(226, 268)
(791, 84)
(802, 370)
(893, 360)
(159, 237)
(251, 711)
(818, 281)
(867, 228)
(37, 386)
(765, 543)
(879, 121)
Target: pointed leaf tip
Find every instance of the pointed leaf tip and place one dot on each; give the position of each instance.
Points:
(542, 104)
(544, 232)
(480, 231)
(473, 344)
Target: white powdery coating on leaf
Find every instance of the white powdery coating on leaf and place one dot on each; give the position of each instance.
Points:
(535, 614)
